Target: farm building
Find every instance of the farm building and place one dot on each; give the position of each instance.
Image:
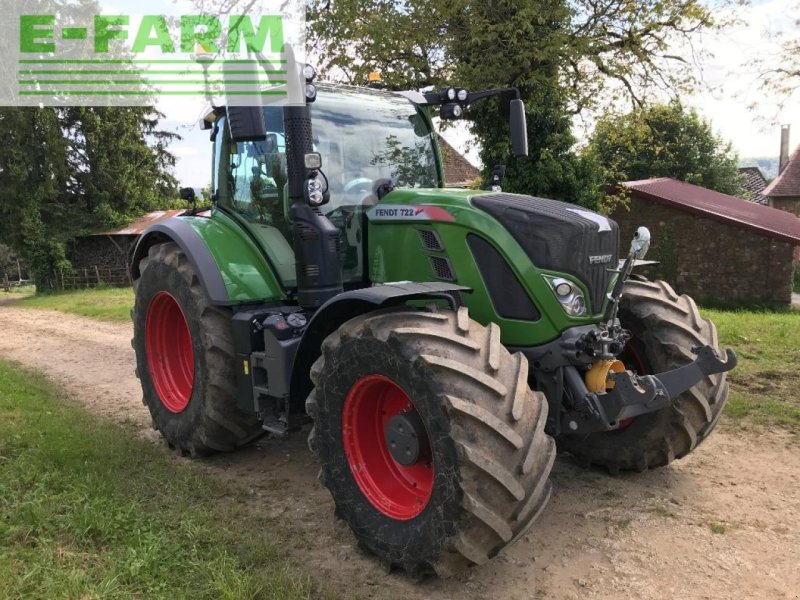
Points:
(712, 246)
(458, 171)
(105, 257)
(784, 191)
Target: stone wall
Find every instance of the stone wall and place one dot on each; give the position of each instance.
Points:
(106, 256)
(788, 203)
(713, 262)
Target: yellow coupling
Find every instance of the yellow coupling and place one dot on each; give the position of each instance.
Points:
(597, 380)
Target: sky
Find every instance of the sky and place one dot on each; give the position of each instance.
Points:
(729, 88)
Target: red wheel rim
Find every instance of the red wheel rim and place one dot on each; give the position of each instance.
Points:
(397, 491)
(169, 352)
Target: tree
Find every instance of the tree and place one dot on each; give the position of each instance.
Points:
(67, 172)
(598, 47)
(561, 54)
(780, 74)
(664, 140)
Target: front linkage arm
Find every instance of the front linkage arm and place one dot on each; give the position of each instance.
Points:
(634, 395)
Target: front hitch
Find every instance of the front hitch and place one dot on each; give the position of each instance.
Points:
(634, 395)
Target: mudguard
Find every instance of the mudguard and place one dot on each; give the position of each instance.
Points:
(232, 269)
(348, 305)
(179, 231)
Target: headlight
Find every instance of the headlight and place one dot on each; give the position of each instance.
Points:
(311, 92)
(568, 294)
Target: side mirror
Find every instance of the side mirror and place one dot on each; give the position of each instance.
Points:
(188, 194)
(247, 123)
(519, 128)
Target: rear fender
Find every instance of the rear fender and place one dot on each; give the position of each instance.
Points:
(178, 231)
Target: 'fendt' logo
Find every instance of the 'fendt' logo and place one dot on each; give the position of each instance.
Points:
(600, 259)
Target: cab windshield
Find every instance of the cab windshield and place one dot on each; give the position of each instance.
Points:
(364, 136)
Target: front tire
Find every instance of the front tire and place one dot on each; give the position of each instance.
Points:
(665, 326)
(482, 459)
(185, 358)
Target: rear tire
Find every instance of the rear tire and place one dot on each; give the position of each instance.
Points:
(665, 326)
(203, 417)
(484, 429)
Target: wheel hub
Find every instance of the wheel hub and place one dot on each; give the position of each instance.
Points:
(403, 434)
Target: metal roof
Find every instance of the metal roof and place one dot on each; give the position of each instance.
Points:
(143, 222)
(770, 222)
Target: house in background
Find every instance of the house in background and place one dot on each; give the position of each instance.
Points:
(784, 191)
(715, 247)
(458, 171)
(753, 182)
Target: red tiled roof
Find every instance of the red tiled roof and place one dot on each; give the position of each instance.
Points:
(770, 222)
(753, 184)
(143, 222)
(457, 169)
(788, 182)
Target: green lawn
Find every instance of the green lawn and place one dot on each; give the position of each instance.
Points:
(86, 511)
(106, 304)
(765, 386)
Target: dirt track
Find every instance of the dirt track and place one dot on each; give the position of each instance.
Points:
(639, 536)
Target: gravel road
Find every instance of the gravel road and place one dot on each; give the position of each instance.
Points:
(722, 523)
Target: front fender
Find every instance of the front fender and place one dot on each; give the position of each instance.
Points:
(348, 305)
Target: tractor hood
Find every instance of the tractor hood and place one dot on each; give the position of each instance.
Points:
(560, 237)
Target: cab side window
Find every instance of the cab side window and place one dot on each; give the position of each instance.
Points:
(252, 177)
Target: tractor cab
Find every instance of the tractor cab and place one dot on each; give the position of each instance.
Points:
(363, 136)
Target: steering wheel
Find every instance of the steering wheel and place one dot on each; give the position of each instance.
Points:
(359, 185)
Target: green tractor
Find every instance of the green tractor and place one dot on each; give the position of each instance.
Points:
(439, 342)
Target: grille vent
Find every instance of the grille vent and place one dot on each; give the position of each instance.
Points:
(311, 270)
(441, 268)
(430, 240)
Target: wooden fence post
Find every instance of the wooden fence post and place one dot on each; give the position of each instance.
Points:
(6, 284)
(62, 280)
(97, 272)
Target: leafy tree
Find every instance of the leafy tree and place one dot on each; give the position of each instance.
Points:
(780, 75)
(71, 171)
(664, 140)
(596, 45)
(562, 54)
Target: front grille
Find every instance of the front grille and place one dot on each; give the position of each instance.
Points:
(560, 237)
(441, 268)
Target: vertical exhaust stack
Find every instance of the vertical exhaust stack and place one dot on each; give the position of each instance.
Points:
(316, 239)
(784, 155)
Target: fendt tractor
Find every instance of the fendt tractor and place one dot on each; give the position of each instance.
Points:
(438, 343)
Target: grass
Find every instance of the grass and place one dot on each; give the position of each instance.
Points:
(718, 528)
(103, 304)
(765, 386)
(18, 292)
(86, 511)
